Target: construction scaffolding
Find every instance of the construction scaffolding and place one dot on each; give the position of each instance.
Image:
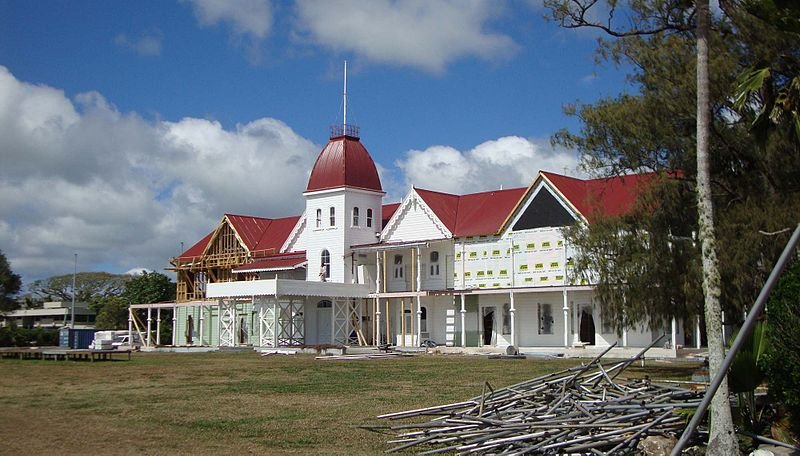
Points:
(223, 252)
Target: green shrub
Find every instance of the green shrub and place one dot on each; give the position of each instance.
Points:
(782, 360)
(13, 336)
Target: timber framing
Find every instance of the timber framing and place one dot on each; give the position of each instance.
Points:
(224, 252)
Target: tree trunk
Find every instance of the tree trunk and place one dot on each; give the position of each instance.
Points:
(722, 439)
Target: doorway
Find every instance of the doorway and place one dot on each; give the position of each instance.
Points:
(587, 325)
(324, 309)
(489, 332)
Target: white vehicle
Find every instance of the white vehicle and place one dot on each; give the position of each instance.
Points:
(110, 340)
(123, 342)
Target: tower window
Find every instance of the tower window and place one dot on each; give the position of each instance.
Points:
(319, 218)
(369, 218)
(325, 265)
(333, 216)
(355, 216)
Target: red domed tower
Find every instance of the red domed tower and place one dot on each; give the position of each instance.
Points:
(343, 206)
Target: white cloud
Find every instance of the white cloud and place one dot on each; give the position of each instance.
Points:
(509, 161)
(421, 34)
(124, 192)
(147, 44)
(249, 20)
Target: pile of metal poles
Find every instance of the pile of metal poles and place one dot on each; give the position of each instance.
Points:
(585, 409)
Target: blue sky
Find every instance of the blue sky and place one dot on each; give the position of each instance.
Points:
(130, 127)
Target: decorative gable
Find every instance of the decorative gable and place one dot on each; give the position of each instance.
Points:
(414, 221)
(543, 209)
(296, 239)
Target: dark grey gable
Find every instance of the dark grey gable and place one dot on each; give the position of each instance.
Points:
(544, 211)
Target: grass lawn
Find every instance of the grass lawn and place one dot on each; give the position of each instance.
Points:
(238, 403)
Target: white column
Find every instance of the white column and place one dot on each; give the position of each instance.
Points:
(130, 326)
(260, 324)
(158, 326)
(378, 300)
(625, 337)
(149, 321)
(674, 336)
(419, 308)
(334, 305)
(565, 308)
(697, 332)
(275, 323)
(463, 322)
(513, 311)
(201, 311)
(174, 320)
(219, 323)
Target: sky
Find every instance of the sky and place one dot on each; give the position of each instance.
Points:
(128, 129)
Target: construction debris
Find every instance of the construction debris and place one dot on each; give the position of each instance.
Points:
(585, 409)
(364, 356)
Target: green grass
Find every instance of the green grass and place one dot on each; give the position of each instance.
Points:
(237, 403)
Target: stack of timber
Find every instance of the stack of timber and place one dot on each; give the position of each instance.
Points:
(585, 409)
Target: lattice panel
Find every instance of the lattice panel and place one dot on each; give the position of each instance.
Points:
(227, 324)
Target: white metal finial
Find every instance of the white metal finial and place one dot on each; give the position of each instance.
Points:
(344, 125)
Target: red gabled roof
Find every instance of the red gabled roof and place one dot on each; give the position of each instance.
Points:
(387, 211)
(280, 262)
(250, 229)
(473, 214)
(274, 236)
(197, 249)
(344, 162)
(261, 236)
(607, 197)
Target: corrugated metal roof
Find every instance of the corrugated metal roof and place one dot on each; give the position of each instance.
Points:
(197, 249)
(607, 197)
(274, 235)
(250, 229)
(344, 162)
(473, 214)
(387, 211)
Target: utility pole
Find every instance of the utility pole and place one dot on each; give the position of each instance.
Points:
(74, 273)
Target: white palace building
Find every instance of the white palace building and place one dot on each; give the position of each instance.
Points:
(484, 270)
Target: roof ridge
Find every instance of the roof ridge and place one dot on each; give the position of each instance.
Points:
(248, 216)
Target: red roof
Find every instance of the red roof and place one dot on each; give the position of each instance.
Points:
(608, 197)
(261, 236)
(280, 262)
(249, 229)
(344, 162)
(274, 236)
(197, 249)
(387, 211)
(473, 214)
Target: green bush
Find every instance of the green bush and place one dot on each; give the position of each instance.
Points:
(782, 360)
(13, 336)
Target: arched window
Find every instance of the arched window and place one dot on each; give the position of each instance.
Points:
(355, 216)
(369, 218)
(423, 319)
(319, 218)
(324, 304)
(333, 216)
(325, 265)
(434, 264)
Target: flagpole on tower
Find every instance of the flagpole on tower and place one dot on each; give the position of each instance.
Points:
(344, 124)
